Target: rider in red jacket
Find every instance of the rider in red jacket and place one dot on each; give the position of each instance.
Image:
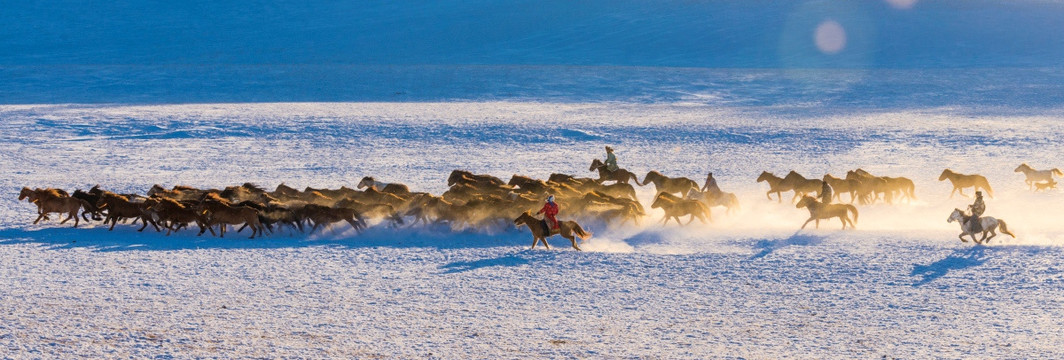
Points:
(549, 210)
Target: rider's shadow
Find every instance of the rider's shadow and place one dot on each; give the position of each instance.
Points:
(958, 260)
(798, 239)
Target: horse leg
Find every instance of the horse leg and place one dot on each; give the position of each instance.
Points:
(817, 226)
(572, 239)
(535, 240)
(142, 227)
(961, 236)
(768, 194)
(39, 217)
(806, 223)
(544, 240)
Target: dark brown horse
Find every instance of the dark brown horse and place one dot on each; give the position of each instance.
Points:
(620, 175)
(567, 229)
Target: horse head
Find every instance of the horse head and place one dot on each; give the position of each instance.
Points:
(524, 218)
(595, 165)
(945, 174)
(652, 177)
(455, 176)
(366, 182)
(806, 201)
(765, 176)
(25, 193)
(1022, 168)
(957, 215)
(792, 177)
(155, 189)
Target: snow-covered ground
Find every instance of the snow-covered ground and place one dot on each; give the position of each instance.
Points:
(747, 285)
(320, 94)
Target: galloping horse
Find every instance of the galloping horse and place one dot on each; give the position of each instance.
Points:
(677, 185)
(843, 186)
(620, 175)
(961, 181)
(719, 198)
(1037, 176)
(773, 182)
(567, 229)
(800, 185)
(675, 207)
(819, 211)
(391, 188)
(989, 223)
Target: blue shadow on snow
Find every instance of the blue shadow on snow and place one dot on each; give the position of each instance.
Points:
(797, 239)
(960, 259)
(126, 238)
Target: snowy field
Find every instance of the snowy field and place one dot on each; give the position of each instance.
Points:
(745, 286)
(319, 94)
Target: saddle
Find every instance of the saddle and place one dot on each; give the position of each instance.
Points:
(545, 225)
(974, 226)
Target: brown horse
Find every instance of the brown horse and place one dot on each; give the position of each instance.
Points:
(52, 201)
(540, 231)
(677, 185)
(120, 207)
(621, 176)
(173, 215)
(773, 182)
(675, 207)
(218, 211)
(848, 186)
(819, 211)
(718, 198)
(961, 181)
(458, 176)
(800, 185)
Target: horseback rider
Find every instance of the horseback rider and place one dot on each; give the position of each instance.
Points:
(977, 210)
(711, 185)
(611, 160)
(549, 210)
(825, 191)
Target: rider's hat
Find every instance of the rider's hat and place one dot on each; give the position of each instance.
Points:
(550, 197)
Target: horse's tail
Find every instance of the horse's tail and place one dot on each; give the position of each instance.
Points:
(1058, 172)
(635, 178)
(1005, 228)
(705, 210)
(852, 209)
(584, 235)
(986, 185)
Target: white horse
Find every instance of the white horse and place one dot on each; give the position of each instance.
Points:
(1037, 176)
(990, 225)
(369, 181)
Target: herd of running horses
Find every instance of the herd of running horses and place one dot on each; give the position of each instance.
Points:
(483, 202)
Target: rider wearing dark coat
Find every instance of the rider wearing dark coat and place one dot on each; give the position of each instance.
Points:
(825, 191)
(977, 210)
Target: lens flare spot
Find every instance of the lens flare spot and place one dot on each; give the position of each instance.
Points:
(830, 37)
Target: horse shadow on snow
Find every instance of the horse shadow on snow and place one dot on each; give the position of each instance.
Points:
(126, 238)
(767, 247)
(960, 259)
